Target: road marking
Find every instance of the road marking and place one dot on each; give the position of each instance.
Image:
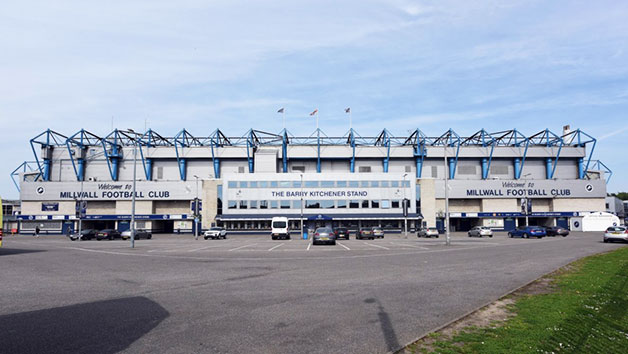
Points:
(279, 245)
(203, 248)
(347, 248)
(309, 245)
(237, 248)
(386, 248)
(412, 246)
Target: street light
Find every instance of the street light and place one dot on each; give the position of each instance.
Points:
(447, 236)
(526, 197)
(301, 205)
(134, 188)
(405, 208)
(196, 211)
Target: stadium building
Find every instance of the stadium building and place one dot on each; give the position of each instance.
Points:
(494, 179)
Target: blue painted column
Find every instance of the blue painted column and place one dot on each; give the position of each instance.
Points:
(452, 168)
(385, 165)
(581, 168)
(318, 151)
(419, 167)
(548, 168)
(217, 168)
(484, 168)
(251, 165)
(284, 153)
(517, 163)
(81, 169)
(182, 169)
(149, 169)
(47, 165)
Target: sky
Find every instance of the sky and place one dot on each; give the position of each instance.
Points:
(399, 65)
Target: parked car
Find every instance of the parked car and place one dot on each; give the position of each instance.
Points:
(341, 232)
(215, 233)
(86, 234)
(138, 234)
(479, 231)
(556, 231)
(365, 232)
(324, 235)
(378, 232)
(108, 234)
(527, 231)
(616, 233)
(427, 232)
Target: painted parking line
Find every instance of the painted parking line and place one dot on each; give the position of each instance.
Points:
(204, 248)
(279, 245)
(309, 245)
(347, 248)
(378, 246)
(411, 246)
(237, 248)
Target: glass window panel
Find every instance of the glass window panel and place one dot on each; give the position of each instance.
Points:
(296, 184)
(365, 204)
(263, 184)
(253, 204)
(285, 204)
(385, 184)
(395, 204)
(233, 204)
(253, 184)
(243, 204)
(243, 184)
(341, 184)
(312, 204)
(274, 184)
(394, 184)
(354, 184)
(375, 184)
(364, 184)
(385, 204)
(233, 184)
(263, 204)
(374, 203)
(327, 204)
(296, 204)
(354, 204)
(406, 184)
(311, 184)
(341, 204)
(274, 204)
(327, 184)
(284, 184)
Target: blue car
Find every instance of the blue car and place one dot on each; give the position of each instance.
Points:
(528, 231)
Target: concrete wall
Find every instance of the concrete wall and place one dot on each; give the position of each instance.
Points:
(465, 205)
(579, 204)
(428, 201)
(141, 207)
(500, 205)
(209, 197)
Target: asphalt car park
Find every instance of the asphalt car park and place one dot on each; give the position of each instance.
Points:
(249, 293)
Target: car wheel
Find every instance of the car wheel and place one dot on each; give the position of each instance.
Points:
(491, 236)
(525, 235)
(333, 243)
(564, 235)
(605, 241)
(509, 235)
(149, 237)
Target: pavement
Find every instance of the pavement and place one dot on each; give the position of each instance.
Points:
(174, 294)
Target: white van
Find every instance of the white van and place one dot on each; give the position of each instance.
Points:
(279, 228)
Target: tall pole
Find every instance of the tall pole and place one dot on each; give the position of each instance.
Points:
(283, 116)
(133, 197)
(196, 202)
(405, 208)
(80, 223)
(301, 206)
(447, 236)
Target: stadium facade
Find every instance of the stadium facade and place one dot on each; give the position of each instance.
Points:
(494, 179)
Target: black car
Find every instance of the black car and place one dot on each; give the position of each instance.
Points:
(108, 234)
(556, 231)
(86, 234)
(341, 232)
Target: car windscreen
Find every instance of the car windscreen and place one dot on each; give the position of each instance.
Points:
(616, 228)
(279, 224)
(215, 229)
(323, 230)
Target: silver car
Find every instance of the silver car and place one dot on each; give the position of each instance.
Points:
(324, 235)
(427, 232)
(479, 231)
(616, 233)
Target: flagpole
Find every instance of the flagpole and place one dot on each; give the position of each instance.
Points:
(350, 121)
(283, 116)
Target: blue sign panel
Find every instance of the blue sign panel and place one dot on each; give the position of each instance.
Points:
(49, 206)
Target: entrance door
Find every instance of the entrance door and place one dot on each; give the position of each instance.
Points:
(67, 228)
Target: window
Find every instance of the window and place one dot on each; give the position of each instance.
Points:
(263, 184)
(296, 184)
(327, 204)
(374, 204)
(274, 204)
(312, 204)
(263, 204)
(364, 184)
(233, 184)
(364, 169)
(327, 184)
(233, 204)
(253, 184)
(375, 184)
(354, 204)
(406, 184)
(395, 204)
(243, 184)
(274, 184)
(219, 200)
(385, 204)
(354, 184)
(499, 170)
(311, 184)
(434, 171)
(341, 184)
(240, 169)
(385, 184)
(365, 204)
(243, 204)
(394, 184)
(408, 168)
(298, 168)
(342, 204)
(296, 204)
(285, 204)
(284, 184)
(160, 172)
(253, 204)
(467, 170)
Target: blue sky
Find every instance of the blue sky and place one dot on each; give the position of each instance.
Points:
(398, 64)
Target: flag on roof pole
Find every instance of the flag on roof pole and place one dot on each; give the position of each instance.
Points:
(280, 110)
(348, 110)
(283, 117)
(314, 112)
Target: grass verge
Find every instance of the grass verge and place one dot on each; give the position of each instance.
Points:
(580, 308)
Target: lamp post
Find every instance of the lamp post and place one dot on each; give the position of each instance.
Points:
(134, 189)
(526, 198)
(301, 206)
(80, 205)
(405, 208)
(447, 236)
(196, 202)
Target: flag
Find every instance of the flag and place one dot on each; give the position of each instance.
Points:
(280, 110)
(348, 110)
(314, 112)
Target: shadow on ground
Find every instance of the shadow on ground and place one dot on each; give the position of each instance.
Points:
(386, 324)
(12, 251)
(100, 327)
